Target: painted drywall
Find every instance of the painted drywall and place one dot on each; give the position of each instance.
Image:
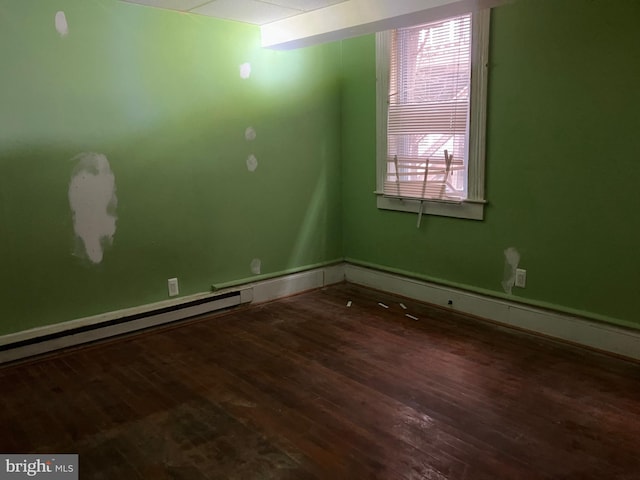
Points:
(563, 164)
(124, 138)
(178, 104)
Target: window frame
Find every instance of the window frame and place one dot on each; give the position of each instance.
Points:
(473, 206)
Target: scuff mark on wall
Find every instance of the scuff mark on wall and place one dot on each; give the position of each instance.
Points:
(245, 71)
(62, 26)
(252, 163)
(511, 261)
(92, 197)
(256, 266)
(250, 134)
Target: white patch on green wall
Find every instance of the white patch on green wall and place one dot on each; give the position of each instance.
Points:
(511, 261)
(62, 26)
(245, 71)
(256, 266)
(252, 163)
(250, 134)
(93, 202)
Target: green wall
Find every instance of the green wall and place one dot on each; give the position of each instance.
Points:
(159, 94)
(563, 164)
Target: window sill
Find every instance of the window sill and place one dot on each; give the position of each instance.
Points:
(472, 210)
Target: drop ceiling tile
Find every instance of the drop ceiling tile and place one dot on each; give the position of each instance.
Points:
(249, 11)
(306, 5)
(181, 5)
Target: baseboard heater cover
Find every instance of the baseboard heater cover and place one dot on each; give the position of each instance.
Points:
(72, 336)
(23, 344)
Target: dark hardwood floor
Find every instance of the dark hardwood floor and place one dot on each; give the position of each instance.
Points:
(307, 387)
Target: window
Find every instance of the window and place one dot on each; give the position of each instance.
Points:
(431, 116)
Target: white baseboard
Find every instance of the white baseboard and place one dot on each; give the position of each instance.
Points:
(596, 335)
(599, 336)
(40, 340)
(287, 285)
(334, 274)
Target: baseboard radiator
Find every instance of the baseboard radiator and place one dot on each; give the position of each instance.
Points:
(37, 341)
(43, 340)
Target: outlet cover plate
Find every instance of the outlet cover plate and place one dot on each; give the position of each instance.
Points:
(172, 284)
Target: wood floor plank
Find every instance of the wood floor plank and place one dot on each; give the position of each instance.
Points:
(371, 396)
(308, 388)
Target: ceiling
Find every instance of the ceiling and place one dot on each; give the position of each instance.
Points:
(257, 12)
(289, 24)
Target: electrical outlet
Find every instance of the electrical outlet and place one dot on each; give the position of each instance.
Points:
(172, 283)
(521, 277)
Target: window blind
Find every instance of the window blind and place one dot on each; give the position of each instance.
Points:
(428, 114)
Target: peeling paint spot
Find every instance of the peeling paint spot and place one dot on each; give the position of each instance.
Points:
(511, 260)
(61, 24)
(92, 197)
(245, 70)
(250, 134)
(252, 163)
(256, 266)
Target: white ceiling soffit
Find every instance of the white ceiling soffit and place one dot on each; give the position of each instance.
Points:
(180, 5)
(360, 17)
(257, 12)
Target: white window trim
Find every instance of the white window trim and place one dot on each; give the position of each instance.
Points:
(473, 207)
